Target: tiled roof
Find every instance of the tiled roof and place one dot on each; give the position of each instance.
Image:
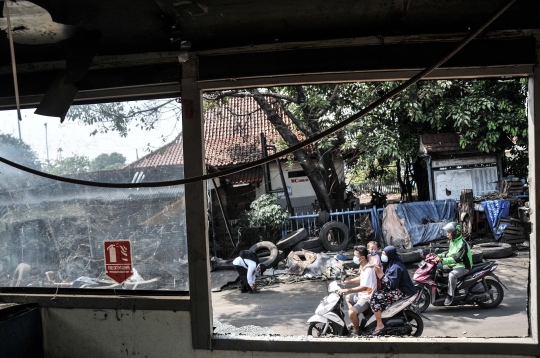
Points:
(232, 136)
(252, 175)
(441, 143)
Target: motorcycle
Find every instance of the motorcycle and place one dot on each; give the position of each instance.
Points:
(479, 286)
(329, 319)
(378, 199)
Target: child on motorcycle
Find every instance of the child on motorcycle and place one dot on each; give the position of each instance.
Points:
(373, 258)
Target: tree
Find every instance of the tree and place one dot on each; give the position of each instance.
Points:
(75, 164)
(265, 211)
(311, 110)
(18, 151)
(484, 111)
(108, 162)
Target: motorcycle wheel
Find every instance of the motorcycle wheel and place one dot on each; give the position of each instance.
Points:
(423, 301)
(498, 294)
(315, 329)
(416, 322)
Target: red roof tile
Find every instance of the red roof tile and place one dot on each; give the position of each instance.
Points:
(252, 175)
(232, 136)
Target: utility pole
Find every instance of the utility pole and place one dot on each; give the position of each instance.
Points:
(47, 145)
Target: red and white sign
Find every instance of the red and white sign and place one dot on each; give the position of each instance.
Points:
(299, 180)
(118, 264)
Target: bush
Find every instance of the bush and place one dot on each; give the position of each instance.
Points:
(265, 211)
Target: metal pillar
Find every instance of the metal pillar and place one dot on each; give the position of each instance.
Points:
(534, 191)
(195, 196)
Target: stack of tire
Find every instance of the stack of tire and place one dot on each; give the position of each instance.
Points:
(334, 236)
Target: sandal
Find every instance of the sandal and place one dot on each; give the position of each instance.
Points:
(377, 332)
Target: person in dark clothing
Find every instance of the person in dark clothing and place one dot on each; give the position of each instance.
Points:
(396, 283)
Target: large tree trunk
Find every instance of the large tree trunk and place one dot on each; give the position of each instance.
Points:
(309, 165)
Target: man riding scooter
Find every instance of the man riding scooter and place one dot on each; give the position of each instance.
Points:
(458, 258)
(358, 299)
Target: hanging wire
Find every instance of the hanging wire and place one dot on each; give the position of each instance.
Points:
(292, 148)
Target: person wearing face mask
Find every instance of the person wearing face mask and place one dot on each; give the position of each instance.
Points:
(396, 284)
(373, 249)
(358, 299)
(458, 258)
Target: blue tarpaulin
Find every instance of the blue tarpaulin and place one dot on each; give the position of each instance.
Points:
(496, 209)
(424, 220)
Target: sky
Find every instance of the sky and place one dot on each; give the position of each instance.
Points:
(75, 138)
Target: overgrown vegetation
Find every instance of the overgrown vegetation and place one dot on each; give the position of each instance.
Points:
(265, 211)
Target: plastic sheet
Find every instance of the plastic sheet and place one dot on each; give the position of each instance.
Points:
(424, 220)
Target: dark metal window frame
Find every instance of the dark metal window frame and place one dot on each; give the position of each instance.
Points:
(199, 301)
(496, 346)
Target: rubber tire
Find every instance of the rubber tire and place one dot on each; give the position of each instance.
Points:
(323, 217)
(270, 260)
(477, 256)
(327, 228)
(334, 327)
(500, 294)
(495, 250)
(310, 243)
(411, 256)
(426, 301)
(292, 239)
(420, 323)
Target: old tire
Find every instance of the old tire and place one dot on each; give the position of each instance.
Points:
(310, 243)
(334, 236)
(292, 239)
(477, 256)
(413, 255)
(267, 252)
(495, 250)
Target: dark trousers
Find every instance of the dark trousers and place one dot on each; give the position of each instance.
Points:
(244, 285)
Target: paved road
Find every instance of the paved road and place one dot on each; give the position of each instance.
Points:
(285, 308)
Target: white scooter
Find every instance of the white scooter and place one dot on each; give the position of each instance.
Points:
(329, 319)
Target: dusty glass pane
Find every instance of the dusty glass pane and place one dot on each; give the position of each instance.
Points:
(52, 233)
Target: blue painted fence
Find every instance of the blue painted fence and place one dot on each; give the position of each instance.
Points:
(310, 221)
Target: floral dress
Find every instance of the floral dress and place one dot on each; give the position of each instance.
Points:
(380, 300)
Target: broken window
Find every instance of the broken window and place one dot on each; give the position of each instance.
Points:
(56, 234)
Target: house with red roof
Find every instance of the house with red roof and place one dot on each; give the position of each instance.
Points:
(233, 137)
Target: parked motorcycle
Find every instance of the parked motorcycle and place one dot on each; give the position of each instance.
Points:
(378, 199)
(479, 286)
(329, 319)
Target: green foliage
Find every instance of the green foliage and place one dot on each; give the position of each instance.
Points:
(71, 165)
(108, 162)
(77, 164)
(265, 211)
(120, 116)
(16, 150)
(486, 112)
